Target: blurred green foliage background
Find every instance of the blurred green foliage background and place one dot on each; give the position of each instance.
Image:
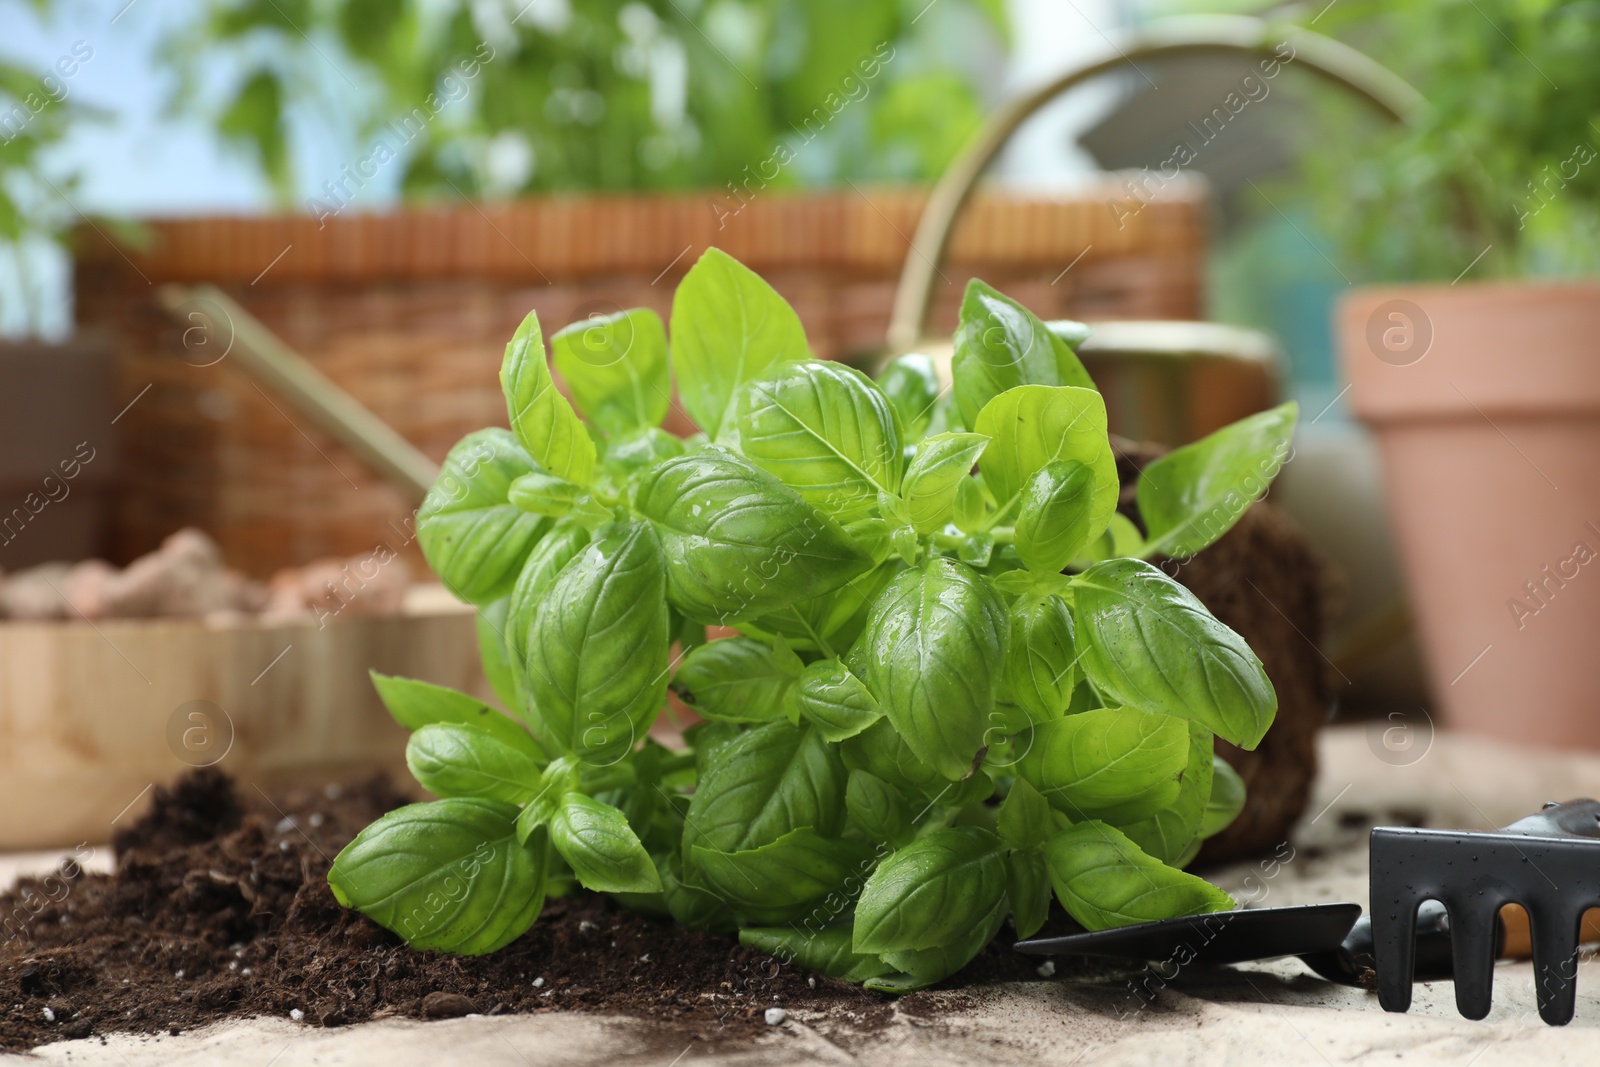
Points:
(498, 98)
(1506, 160)
(599, 94)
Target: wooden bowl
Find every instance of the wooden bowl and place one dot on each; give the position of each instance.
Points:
(93, 714)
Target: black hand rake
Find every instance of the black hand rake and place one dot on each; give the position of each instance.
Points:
(1437, 897)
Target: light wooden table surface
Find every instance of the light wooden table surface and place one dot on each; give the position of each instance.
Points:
(1270, 1014)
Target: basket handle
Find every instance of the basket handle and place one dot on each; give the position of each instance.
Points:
(1185, 35)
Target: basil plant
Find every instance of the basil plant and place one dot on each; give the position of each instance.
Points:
(945, 684)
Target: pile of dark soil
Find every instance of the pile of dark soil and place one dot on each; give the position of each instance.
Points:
(220, 908)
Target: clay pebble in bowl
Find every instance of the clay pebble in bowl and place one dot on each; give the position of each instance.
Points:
(187, 578)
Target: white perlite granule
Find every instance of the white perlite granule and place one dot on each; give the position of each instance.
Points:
(775, 1016)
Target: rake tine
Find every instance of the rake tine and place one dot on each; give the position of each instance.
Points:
(1394, 922)
(1555, 959)
(1474, 937)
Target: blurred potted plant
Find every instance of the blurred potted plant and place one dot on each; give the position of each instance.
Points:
(56, 391)
(1482, 381)
(501, 98)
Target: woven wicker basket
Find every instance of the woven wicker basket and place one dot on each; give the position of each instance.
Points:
(410, 313)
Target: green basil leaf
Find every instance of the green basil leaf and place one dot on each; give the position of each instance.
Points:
(704, 738)
(1010, 732)
(797, 868)
(414, 704)
(1115, 763)
(1168, 833)
(1188, 855)
(999, 344)
(1041, 667)
(911, 382)
(451, 760)
(934, 640)
(539, 493)
(897, 983)
(838, 703)
(492, 649)
(1084, 698)
(1193, 495)
(826, 951)
(906, 544)
(691, 907)
(1074, 333)
(930, 892)
(446, 875)
(727, 327)
(1053, 521)
(970, 508)
(786, 658)
(558, 779)
(474, 538)
(881, 751)
(541, 418)
(832, 620)
(923, 967)
(597, 649)
(977, 550)
(1121, 540)
(1034, 426)
(1105, 881)
(689, 634)
(875, 811)
(1226, 800)
(1024, 819)
(639, 449)
(893, 510)
(872, 534)
(771, 780)
(1018, 582)
(739, 543)
(602, 849)
(1028, 889)
(735, 679)
(933, 480)
(565, 541)
(616, 367)
(1149, 643)
(824, 430)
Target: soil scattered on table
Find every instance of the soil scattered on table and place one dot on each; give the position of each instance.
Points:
(220, 908)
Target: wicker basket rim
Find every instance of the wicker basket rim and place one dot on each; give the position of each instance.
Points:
(562, 237)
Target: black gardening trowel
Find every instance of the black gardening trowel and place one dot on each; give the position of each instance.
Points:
(1548, 863)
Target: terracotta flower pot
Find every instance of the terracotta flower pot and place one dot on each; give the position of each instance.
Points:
(1486, 403)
